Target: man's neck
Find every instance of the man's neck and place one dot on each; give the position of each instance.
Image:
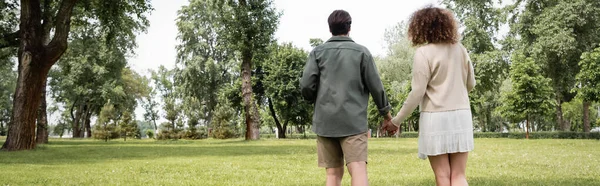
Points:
(346, 35)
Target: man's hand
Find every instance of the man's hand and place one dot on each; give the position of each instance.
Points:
(389, 127)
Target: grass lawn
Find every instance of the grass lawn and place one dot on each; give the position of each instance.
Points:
(289, 162)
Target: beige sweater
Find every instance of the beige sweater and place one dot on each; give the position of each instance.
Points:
(442, 78)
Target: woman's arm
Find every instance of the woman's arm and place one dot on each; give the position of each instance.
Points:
(420, 78)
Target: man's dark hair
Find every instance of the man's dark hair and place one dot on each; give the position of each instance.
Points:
(339, 22)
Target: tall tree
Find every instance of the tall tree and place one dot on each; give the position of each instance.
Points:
(164, 80)
(281, 82)
(51, 20)
(150, 105)
(7, 88)
(249, 29)
(481, 20)
(246, 27)
(205, 62)
(555, 33)
(588, 80)
(530, 97)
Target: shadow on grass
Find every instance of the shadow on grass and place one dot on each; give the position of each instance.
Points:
(89, 151)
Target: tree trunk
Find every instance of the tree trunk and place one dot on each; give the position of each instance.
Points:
(252, 118)
(559, 115)
(35, 60)
(77, 129)
(586, 116)
(280, 129)
(88, 122)
(42, 120)
(527, 128)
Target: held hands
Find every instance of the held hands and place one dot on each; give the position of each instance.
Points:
(388, 126)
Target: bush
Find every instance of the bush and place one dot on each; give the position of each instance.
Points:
(166, 134)
(105, 133)
(223, 123)
(195, 133)
(150, 133)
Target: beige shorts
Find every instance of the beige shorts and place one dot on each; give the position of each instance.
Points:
(333, 151)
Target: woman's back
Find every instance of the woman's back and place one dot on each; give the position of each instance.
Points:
(450, 76)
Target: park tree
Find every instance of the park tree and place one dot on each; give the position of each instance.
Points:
(531, 95)
(106, 127)
(395, 69)
(224, 123)
(42, 38)
(205, 61)
(128, 127)
(150, 106)
(281, 81)
(249, 29)
(588, 79)
(164, 80)
(7, 88)
(481, 20)
(554, 33)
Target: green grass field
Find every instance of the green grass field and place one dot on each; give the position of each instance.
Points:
(289, 162)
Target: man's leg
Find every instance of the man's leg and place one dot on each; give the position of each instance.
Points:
(441, 168)
(330, 157)
(458, 165)
(355, 152)
(358, 172)
(334, 176)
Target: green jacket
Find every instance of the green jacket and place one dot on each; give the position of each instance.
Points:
(338, 77)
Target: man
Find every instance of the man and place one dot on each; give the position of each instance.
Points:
(338, 77)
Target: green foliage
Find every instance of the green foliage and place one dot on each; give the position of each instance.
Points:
(94, 68)
(282, 70)
(106, 127)
(128, 127)
(150, 133)
(167, 131)
(7, 88)
(204, 60)
(589, 76)
(150, 106)
(223, 123)
(481, 20)
(531, 95)
(196, 133)
(164, 80)
(395, 70)
(314, 42)
(554, 33)
(573, 114)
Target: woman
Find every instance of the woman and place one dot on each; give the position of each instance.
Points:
(441, 80)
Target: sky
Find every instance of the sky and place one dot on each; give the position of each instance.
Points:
(301, 20)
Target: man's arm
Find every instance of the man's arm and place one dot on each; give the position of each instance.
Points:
(370, 77)
(309, 82)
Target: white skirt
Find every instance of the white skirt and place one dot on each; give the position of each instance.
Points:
(445, 132)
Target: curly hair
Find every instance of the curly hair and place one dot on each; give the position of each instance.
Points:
(433, 25)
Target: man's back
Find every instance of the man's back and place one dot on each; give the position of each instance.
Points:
(345, 74)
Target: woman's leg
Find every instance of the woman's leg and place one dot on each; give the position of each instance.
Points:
(441, 168)
(458, 165)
